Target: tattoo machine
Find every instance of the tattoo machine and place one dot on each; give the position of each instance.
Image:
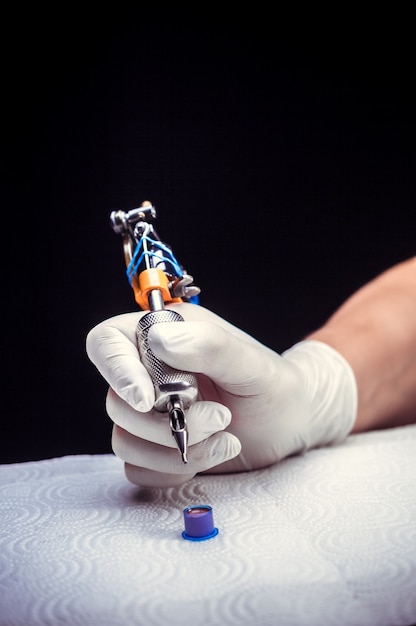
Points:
(158, 279)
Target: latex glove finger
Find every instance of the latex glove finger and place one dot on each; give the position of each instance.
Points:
(232, 362)
(215, 450)
(112, 347)
(203, 419)
(144, 477)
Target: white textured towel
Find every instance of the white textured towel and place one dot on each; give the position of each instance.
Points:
(325, 539)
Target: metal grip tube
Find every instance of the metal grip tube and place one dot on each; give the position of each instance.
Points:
(167, 381)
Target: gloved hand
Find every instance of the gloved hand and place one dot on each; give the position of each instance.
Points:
(255, 406)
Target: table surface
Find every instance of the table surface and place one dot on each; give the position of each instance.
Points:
(325, 538)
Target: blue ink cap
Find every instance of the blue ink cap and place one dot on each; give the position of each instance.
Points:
(199, 523)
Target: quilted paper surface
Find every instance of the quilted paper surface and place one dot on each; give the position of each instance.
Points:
(328, 539)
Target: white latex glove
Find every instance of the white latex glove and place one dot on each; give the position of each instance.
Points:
(255, 406)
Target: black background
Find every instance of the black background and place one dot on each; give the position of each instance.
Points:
(280, 158)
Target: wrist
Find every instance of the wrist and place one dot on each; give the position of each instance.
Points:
(329, 385)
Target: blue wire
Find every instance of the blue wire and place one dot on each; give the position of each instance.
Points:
(136, 260)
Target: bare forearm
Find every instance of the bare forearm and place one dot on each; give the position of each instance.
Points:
(375, 330)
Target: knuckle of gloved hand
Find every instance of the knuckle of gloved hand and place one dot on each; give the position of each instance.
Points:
(121, 443)
(112, 401)
(213, 451)
(91, 342)
(206, 418)
(97, 340)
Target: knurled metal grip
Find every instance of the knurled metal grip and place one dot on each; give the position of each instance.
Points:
(167, 381)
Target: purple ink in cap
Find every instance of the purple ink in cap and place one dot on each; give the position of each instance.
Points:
(199, 523)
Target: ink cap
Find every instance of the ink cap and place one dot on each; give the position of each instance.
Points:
(199, 523)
